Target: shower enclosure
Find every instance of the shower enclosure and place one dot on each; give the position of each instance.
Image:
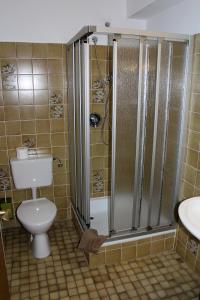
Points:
(148, 112)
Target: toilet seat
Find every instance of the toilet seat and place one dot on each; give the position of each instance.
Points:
(36, 212)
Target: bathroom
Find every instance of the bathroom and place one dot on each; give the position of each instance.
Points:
(36, 112)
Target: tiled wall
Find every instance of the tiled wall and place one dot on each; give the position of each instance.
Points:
(187, 246)
(100, 153)
(126, 251)
(33, 112)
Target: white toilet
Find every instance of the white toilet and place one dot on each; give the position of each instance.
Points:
(37, 214)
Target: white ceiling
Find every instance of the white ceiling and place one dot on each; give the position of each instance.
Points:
(144, 9)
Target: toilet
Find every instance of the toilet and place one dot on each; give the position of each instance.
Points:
(37, 214)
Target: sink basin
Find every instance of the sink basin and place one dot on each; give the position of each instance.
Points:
(189, 213)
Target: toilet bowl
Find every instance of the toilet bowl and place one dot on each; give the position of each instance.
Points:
(37, 216)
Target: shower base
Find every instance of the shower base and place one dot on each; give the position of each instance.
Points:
(99, 214)
(122, 249)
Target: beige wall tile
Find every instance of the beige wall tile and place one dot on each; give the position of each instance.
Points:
(54, 50)
(7, 50)
(28, 127)
(40, 82)
(14, 141)
(129, 253)
(41, 97)
(190, 174)
(3, 157)
(143, 250)
(39, 66)
(194, 140)
(39, 50)
(192, 158)
(55, 66)
(25, 82)
(113, 257)
(12, 113)
(26, 113)
(55, 81)
(157, 246)
(10, 98)
(42, 126)
(43, 140)
(26, 97)
(42, 112)
(3, 143)
(13, 127)
(24, 50)
(181, 249)
(57, 125)
(2, 128)
(24, 66)
(169, 243)
(58, 139)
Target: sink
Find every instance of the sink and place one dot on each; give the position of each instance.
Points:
(189, 213)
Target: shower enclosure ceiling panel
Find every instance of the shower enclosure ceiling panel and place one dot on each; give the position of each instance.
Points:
(148, 120)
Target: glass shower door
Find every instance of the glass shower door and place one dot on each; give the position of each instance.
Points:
(79, 134)
(124, 130)
(149, 76)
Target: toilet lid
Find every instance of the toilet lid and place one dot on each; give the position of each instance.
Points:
(36, 211)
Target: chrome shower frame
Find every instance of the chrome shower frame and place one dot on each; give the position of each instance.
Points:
(83, 36)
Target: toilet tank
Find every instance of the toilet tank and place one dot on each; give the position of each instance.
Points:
(32, 172)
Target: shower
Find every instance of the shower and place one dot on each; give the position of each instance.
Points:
(103, 84)
(136, 176)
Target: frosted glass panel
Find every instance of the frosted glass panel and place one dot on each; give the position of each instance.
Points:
(176, 104)
(149, 92)
(161, 131)
(126, 129)
(149, 88)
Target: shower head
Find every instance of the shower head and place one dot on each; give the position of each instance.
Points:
(95, 39)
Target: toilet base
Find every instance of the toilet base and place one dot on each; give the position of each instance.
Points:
(40, 245)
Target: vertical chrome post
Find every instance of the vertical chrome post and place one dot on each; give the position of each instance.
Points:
(184, 117)
(87, 130)
(80, 117)
(165, 131)
(74, 119)
(139, 137)
(155, 131)
(114, 105)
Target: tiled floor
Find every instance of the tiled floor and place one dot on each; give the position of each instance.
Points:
(65, 274)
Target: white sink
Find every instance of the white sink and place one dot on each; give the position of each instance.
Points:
(189, 213)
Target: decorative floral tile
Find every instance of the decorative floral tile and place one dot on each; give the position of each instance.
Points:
(8, 69)
(100, 83)
(57, 111)
(192, 246)
(9, 82)
(98, 181)
(56, 98)
(4, 180)
(98, 96)
(30, 143)
(56, 107)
